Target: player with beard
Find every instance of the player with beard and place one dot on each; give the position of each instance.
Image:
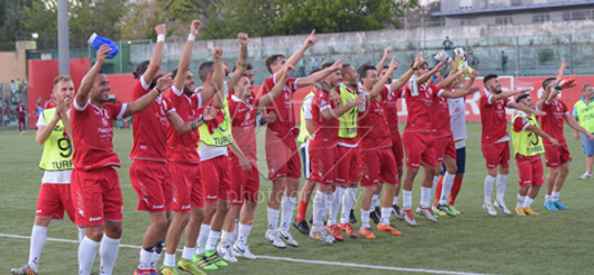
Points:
(495, 140)
(148, 172)
(281, 148)
(95, 185)
(181, 106)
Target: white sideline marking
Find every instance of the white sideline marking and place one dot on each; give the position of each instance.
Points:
(292, 260)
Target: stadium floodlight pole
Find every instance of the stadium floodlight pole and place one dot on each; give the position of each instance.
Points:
(63, 38)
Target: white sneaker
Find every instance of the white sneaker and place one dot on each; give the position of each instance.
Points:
(326, 237)
(273, 236)
(490, 209)
(288, 239)
(226, 253)
(502, 208)
(243, 251)
(428, 214)
(585, 176)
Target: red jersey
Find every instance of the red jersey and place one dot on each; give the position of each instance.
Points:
(373, 126)
(324, 129)
(493, 118)
(420, 108)
(552, 122)
(391, 107)
(441, 117)
(149, 128)
(182, 147)
(282, 106)
(243, 121)
(92, 134)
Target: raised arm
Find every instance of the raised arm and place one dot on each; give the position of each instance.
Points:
(298, 55)
(242, 61)
(86, 84)
(509, 94)
(561, 71)
(448, 81)
(218, 78)
(387, 55)
(184, 61)
(319, 75)
(281, 81)
(398, 84)
(424, 78)
(155, 61)
(142, 102)
(380, 84)
(464, 91)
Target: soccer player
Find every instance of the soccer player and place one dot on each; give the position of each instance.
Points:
(528, 146)
(181, 106)
(21, 115)
(244, 184)
(148, 172)
(495, 140)
(53, 132)
(418, 137)
(222, 190)
(281, 149)
(325, 110)
(348, 163)
(582, 111)
(392, 92)
(376, 149)
(215, 138)
(305, 130)
(445, 144)
(557, 157)
(95, 186)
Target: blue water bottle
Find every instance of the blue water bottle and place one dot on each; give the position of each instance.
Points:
(97, 40)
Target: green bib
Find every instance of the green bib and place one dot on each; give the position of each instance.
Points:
(347, 121)
(57, 148)
(222, 135)
(303, 133)
(585, 115)
(527, 143)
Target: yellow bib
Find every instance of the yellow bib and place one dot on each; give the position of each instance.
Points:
(527, 143)
(303, 133)
(348, 120)
(57, 148)
(585, 115)
(222, 135)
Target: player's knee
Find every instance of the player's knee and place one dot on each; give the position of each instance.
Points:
(94, 233)
(113, 230)
(42, 221)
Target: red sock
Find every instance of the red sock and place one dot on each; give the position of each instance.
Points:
(456, 188)
(301, 211)
(438, 190)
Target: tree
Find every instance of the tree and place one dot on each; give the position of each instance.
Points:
(86, 17)
(11, 25)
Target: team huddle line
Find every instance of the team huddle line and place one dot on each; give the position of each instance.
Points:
(194, 153)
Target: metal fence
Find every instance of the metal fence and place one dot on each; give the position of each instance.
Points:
(518, 56)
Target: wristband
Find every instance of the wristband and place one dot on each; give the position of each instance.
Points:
(158, 90)
(558, 88)
(191, 37)
(161, 38)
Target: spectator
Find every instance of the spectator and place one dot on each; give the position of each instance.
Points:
(583, 111)
(504, 60)
(14, 87)
(448, 45)
(21, 116)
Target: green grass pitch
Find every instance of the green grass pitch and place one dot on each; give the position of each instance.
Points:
(559, 243)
